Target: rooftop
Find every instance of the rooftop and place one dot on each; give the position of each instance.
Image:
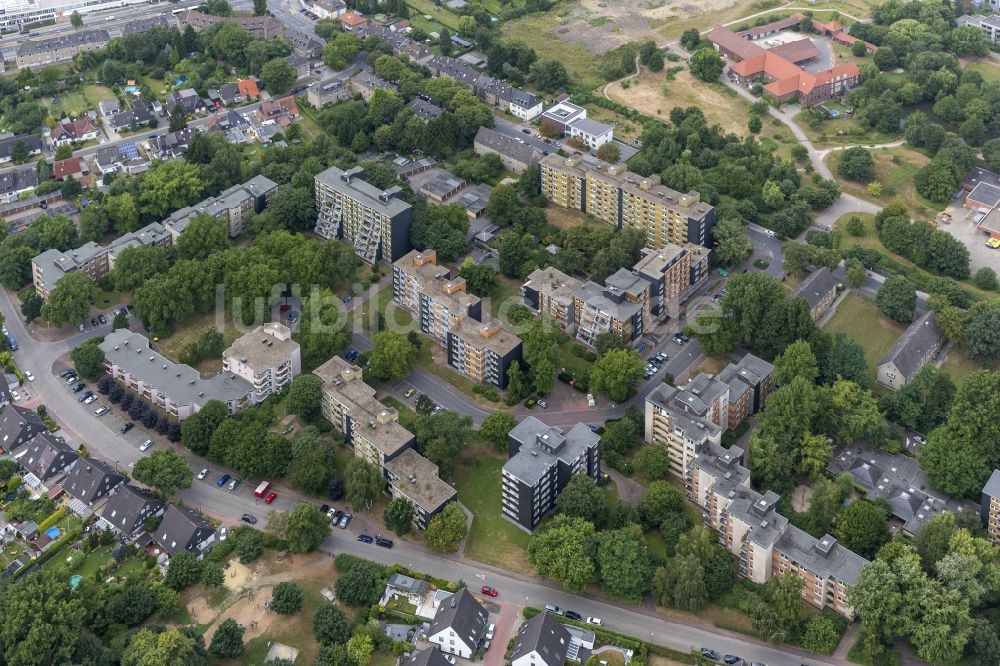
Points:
(546, 636)
(680, 407)
(266, 347)
(419, 481)
(350, 184)
(992, 487)
(815, 287)
(909, 350)
(183, 384)
(591, 126)
(543, 445)
(986, 194)
(505, 145)
(606, 300)
(824, 556)
(487, 335)
(555, 284)
(67, 40)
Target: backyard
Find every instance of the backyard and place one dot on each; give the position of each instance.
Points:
(77, 103)
(492, 539)
(859, 319)
(189, 332)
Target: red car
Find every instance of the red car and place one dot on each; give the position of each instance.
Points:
(270, 498)
(490, 591)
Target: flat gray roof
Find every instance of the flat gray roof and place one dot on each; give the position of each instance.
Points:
(351, 185)
(131, 352)
(542, 445)
(591, 126)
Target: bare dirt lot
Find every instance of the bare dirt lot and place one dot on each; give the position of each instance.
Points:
(601, 25)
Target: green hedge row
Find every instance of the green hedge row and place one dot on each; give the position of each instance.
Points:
(440, 583)
(53, 550)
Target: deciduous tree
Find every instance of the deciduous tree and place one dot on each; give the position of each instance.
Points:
(70, 300)
(447, 529)
(561, 552)
(165, 470)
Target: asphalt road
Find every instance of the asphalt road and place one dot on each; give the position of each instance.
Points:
(515, 131)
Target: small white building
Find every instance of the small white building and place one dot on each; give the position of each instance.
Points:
(267, 357)
(591, 132)
(459, 626)
(525, 105)
(541, 641)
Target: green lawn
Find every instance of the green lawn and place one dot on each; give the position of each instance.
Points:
(440, 14)
(895, 169)
(190, 330)
(108, 299)
(842, 132)
(538, 32)
(383, 303)
(990, 69)
(492, 539)
(508, 291)
(957, 366)
(77, 103)
(859, 319)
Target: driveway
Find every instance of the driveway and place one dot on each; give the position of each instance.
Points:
(507, 623)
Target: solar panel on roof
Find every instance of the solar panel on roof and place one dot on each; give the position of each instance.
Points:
(129, 150)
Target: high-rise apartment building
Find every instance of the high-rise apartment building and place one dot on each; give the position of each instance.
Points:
(990, 508)
(436, 301)
(483, 351)
(267, 357)
(620, 197)
(542, 461)
(551, 292)
(376, 222)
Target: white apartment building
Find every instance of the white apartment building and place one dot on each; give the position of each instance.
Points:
(267, 357)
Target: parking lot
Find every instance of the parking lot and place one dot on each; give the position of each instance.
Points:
(962, 228)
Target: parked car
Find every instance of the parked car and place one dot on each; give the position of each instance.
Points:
(102, 410)
(271, 496)
(324, 508)
(249, 518)
(595, 621)
(14, 394)
(84, 396)
(79, 387)
(573, 615)
(710, 654)
(93, 322)
(350, 354)
(489, 591)
(71, 379)
(293, 317)
(490, 630)
(732, 659)
(543, 404)
(919, 439)
(383, 542)
(203, 473)
(555, 610)
(102, 319)
(590, 400)
(30, 377)
(125, 428)
(345, 520)
(364, 538)
(234, 484)
(145, 445)
(526, 130)
(66, 373)
(223, 480)
(450, 659)
(89, 400)
(409, 392)
(223, 533)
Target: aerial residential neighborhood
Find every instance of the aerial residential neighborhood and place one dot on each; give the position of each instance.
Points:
(528, 333)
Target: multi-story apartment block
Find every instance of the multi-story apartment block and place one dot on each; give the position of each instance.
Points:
(376, 222)
(763, 540)
(617, 196)
(551, 292)
(373, 430)
(49, 266)
(233, 205)
(415, 478)
(425, 290)
(610, 309)
(670, 270)
(681, 431)
(350, 405)
(261, 27)
(915, 347)
(542, 460)
(177, 389)
(267, 357)
(989, 511)
(61, 48)
(483, 351)
(988, 24)
(750, 382)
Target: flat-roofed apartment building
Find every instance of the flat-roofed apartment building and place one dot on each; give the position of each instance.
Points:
(233, 205)
(989, 511)
(350, 405)
(621, 307)
(483, 351)
(750, 382)
(177, 389)
(542, 460)
(763, 540)
(551, 292)
(267, 357)
(670, 270)
(374, 431)
(425, 290)
(376, 222)
(680, 429)
(620, 197)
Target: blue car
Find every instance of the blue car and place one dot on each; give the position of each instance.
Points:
(223, 480)
(351, 354)
(364, 538)
(85, 396)
(641, 347)
(79, 387)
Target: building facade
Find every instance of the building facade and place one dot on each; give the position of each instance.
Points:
(268, 358)
(542, 460)
(819, 290)
(483, 351)
(415, 478)
(915, 347)
(376, 222)
(436, 301)
(552, 293)
(990, 508)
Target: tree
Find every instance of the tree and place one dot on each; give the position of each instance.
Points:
(706, 64)
(177, 120)
(732, 244)
(855, 226)
(398, 515)
(923, 402)
(305, 527)
(681, 584)
(184, 571)
(165, 648)
(31, 305)
(330, 624)
(341, 48)
(855, 274)
(857, 164)
(136, 264)
(76, 20)
(846, 359)
(447, 529)
(392, 356)
(625, 569)
(70, 300)
(227, 643)
(171, 185)
(496, 427)
(286, 598)
(652, 461)
(609, 153)
(986, 279)
(982, 333)
(165, 470)
(755, 124)
(561, 552)
(797, 360)
(278, 75)
(661, 500)
(582, 498)
(360, 648)
(88, 359)
(862, 528)
(504, 206)
(205, 235)
(443, 228)
(42, 621)
(515, 254)
(305, 395)
(549, 75)
(480, 279)
(363, 483)
(613, 372)
(897, 298)
(197, 429)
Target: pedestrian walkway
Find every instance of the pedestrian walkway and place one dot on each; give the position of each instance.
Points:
(847, 641)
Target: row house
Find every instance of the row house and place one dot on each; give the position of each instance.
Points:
(36, 53)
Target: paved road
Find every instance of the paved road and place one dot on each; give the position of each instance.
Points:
(515, 131)
(287, 11)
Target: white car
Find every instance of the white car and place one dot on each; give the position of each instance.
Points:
(145, 445)
(203, 473)
(490, 630)
(90, 400)
(102, 410)
(590, 400)
(30, 377)
(14, 394)
(595, 621)
(223, 533)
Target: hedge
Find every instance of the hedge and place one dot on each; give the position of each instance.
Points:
(53, 550)
(53, 518)
(440, 583)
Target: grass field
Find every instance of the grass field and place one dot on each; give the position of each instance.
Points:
(492, 539)
(440, 14)
(989, 68)
(383, 303)
(895, 169)
(871, 240)
(957, 366)
(842, 132)
(77, 103)
(537, 31)
(565, 218)
(190, 331)
(859, 319)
